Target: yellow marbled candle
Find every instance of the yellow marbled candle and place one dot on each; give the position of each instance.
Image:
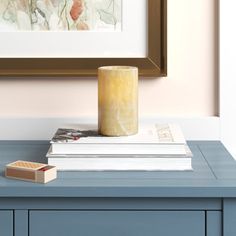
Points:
(118, 100)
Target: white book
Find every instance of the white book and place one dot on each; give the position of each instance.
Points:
(162, 139)
(50, 154)
(121, 164)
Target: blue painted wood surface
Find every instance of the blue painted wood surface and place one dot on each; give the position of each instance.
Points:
(59, 203)
(21, 223)
(214, 175)
(229, 217)
(214, 225)
(117, 223)
(6, 223)
(193, 198)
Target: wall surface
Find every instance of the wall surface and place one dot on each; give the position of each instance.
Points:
(227, 74)
(189, 90)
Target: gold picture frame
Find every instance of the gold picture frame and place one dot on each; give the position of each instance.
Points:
(154, 65)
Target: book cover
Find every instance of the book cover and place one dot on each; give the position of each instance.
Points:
(158, 134)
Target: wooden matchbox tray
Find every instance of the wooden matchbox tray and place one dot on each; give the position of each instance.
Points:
(31, 171)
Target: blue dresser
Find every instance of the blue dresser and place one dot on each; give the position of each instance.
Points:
(193, 203)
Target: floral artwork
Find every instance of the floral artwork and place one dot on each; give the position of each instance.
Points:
(60, 15)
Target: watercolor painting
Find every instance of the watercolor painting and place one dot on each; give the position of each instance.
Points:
(60, 15)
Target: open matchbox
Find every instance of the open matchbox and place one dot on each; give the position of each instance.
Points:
(31, 171)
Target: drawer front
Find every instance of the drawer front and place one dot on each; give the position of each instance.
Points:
(117, 223)
(6, 223)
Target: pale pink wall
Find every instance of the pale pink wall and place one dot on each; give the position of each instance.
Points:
(189, 90)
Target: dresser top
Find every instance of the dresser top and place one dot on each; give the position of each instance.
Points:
(213, 175)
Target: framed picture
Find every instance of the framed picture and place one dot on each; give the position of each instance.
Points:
(72, 38)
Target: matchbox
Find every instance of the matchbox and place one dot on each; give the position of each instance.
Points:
(31, 171)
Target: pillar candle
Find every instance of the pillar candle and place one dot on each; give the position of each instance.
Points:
(118, 100)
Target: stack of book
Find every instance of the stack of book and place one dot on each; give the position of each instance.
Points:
(161, 147)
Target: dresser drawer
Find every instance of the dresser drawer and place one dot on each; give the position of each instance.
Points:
(117, 223)
(6, 223)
